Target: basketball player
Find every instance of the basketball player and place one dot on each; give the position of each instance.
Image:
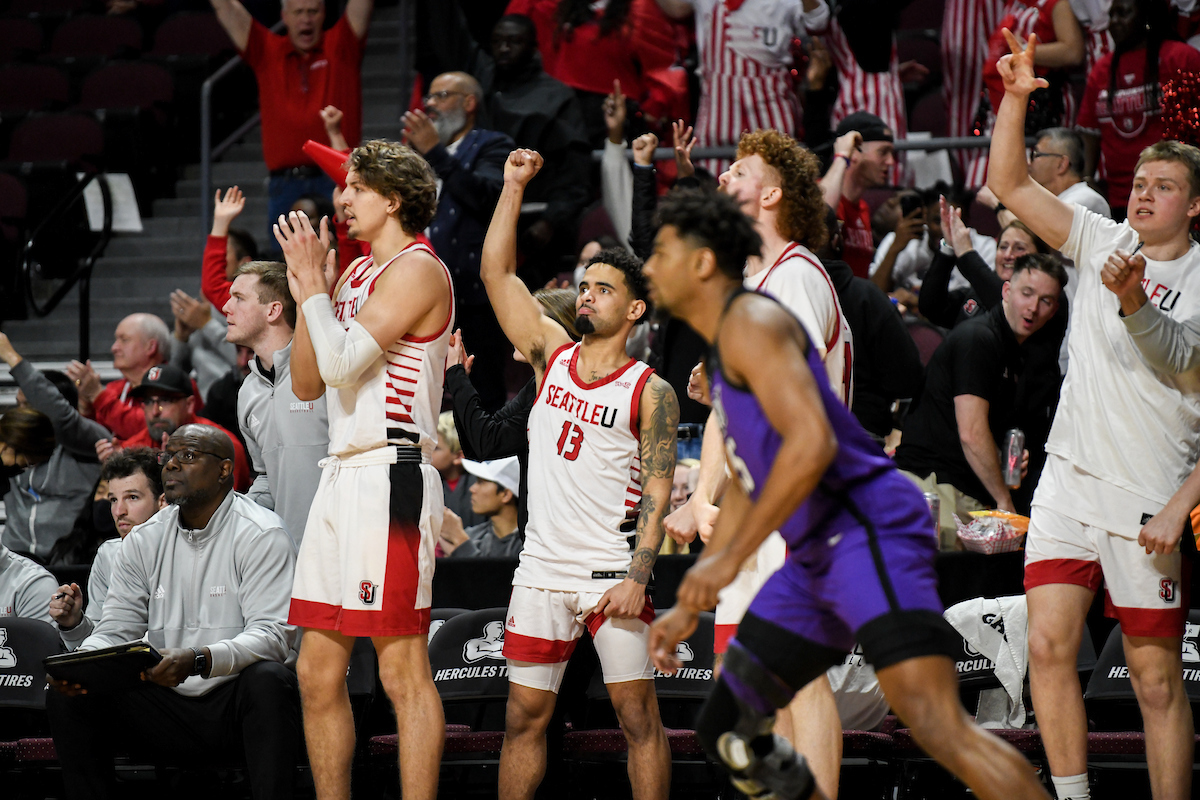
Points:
(366, 562)
(745, 50)
(860, 565)
(601, 444)
(1124, 439)
(775, 182)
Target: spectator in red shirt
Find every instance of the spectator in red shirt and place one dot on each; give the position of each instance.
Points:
(299, 74)
(167, 401)
(1121, 113)
(140, 342)
(226, 249)
(588, 45)
(863, 156)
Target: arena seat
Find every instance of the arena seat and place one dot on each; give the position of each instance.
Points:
(20, 39)
(983, 220)
(923, 15)
(127, 84)
(929, 114)
(33, 87)
(191, 34)
(923, 48)
(94, 35)
(75, 138)
(47, 8)
(926, 336)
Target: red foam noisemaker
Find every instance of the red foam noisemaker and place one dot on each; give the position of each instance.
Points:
(332, 162)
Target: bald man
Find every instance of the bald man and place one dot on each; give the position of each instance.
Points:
(469, 163)
(222, 689)
(140, 342)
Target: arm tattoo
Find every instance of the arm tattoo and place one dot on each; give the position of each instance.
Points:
(659, 429)
(659, 426)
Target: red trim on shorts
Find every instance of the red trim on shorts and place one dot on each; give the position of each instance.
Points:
(1157, 623)
(594, 620)
(721, 636)
(634, 428)
(1071, 571)
(537, 651)
(396, 600)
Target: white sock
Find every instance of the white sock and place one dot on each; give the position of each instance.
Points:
(1073, 787)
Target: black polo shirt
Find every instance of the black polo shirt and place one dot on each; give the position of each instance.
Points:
(981, 357)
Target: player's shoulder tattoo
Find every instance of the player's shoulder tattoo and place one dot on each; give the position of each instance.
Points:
(659, 426)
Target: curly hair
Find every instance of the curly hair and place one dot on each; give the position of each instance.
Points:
(802, 209)
(714, 221)
(394, 170)
(127, 463)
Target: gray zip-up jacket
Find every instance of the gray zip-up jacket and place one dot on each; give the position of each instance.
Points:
(286, 437)
(97, 592)
(226, 586)
(44, 500)
(25, 587)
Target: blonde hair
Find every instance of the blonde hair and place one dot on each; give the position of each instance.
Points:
(447, 431)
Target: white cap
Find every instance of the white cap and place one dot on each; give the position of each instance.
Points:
(504, 471)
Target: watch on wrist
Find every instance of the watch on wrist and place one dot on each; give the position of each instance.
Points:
(199, 662)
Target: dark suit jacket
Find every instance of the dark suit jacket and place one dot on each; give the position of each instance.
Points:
(471, 182)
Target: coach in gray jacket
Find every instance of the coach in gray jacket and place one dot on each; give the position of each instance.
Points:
(207, 581)
(286, 437)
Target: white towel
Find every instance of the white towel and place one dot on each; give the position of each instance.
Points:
(998, 629)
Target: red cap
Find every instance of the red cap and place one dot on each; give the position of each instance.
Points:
(329, 160)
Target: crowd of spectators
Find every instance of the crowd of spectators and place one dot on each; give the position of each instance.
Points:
(941, 316)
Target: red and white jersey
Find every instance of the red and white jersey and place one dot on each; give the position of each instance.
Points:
(584, 476)
(745, 58)
(1093, 18)
(397, 399)
(880, 93)
(799, 281)
(966, 26)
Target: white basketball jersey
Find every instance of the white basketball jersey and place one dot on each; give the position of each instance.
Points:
(799, 281)
(397, 399)
(584, 476)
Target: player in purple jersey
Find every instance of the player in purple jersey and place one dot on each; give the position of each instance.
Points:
(861, 547)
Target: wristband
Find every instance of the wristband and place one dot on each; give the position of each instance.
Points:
(843, 157)
(946, 248)
(999, 207)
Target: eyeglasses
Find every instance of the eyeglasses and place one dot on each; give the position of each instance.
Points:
(442, 95)
(1035, 153)
(186, 456)
(150, 402)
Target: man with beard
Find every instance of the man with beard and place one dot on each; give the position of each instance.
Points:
(469, 163)
(205, 582)
(167, 401)
(135, 494)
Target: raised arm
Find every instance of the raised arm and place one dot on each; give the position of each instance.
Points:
(845, 149)
(358, 14)
(1008, 174)
(75, 432)
(236, 21)
(658, 422)
(519, 314)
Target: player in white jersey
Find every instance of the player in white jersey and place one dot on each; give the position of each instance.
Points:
(745, 54)
(775, 180)
(601, 444)
(365, 567)
(1126, 436)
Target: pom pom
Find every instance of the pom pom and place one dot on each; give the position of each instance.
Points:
(1181, 108)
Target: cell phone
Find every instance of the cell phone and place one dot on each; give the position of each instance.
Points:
(910, 203)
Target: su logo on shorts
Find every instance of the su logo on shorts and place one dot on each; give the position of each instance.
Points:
(366, 592)
(1166, 590)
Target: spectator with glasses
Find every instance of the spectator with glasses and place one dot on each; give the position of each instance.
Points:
(469, 163)
(1057, 163)
(223, 688)
(168, 403)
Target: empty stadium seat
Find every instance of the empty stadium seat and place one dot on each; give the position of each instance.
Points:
(929, 114)
(93, 35)
(33, 87)
(76, 138)
(191, 34)
(47, 7)
(20, 39)
(127, 84)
